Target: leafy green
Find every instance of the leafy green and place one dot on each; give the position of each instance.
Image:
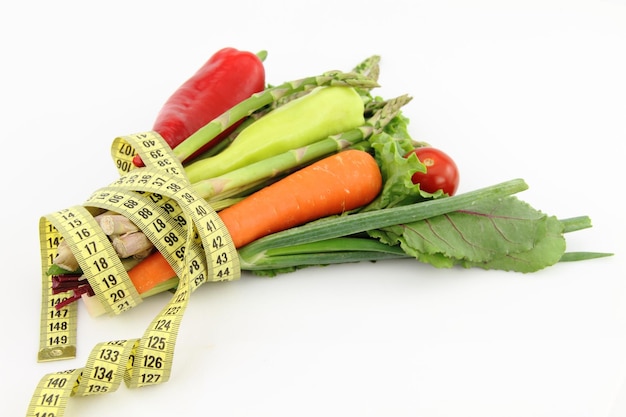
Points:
(57, 270)
(390, 148)
(504, 233)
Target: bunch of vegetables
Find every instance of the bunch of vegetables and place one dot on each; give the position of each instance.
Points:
(320, 171)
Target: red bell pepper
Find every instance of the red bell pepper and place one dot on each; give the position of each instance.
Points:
(228, 77)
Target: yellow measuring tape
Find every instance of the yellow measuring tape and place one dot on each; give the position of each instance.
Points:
(159, 200)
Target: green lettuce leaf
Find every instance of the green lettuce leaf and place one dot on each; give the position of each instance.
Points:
(396, 170)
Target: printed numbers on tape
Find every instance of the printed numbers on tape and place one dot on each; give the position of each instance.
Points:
(182, 226)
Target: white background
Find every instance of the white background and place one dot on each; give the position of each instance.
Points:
(514, 88)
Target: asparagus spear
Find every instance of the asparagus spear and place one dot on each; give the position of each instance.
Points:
(369, 68)
(214, 189)
(263, 98)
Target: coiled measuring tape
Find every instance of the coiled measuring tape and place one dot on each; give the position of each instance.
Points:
(159, 200)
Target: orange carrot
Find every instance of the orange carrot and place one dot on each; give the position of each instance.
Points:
(333, 185)
(151, 271)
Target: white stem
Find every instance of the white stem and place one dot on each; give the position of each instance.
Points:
(130, 244)
(65, 258)
(116, 224)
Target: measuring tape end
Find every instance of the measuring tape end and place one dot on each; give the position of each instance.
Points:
(56, 353)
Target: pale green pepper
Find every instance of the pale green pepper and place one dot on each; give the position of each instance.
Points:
(323, 112)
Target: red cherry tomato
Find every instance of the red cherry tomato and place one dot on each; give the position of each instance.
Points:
(441, 171)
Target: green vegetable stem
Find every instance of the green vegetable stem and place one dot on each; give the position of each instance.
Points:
(216, 189)
(323, 112)
(264, 98)
(229, 76)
